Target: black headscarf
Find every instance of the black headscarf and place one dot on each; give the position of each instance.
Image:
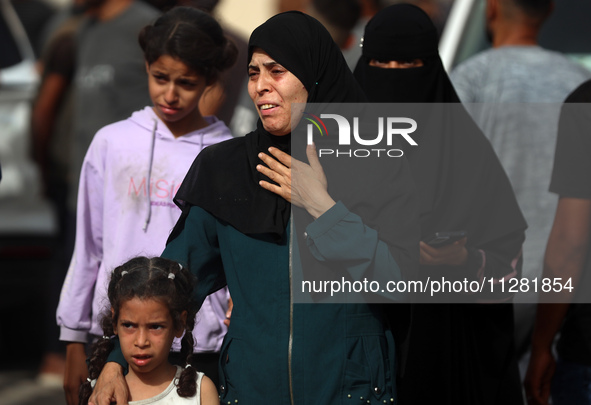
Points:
(304, 47)
(223, 179)
(462, 352)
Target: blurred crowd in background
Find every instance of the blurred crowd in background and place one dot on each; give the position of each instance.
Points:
(45, 131)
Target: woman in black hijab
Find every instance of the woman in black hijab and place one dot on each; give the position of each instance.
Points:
(463, 353)
(236, 228)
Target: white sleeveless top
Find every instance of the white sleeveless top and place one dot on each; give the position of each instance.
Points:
(170, 397)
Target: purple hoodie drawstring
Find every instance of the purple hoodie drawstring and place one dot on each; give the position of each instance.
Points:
(149, 178)
(201, 142)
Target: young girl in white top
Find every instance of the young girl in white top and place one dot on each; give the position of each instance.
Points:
(151, 304)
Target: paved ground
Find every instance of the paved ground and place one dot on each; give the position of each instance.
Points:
(24, 310)
(21, 387)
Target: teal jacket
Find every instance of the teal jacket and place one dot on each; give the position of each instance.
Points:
(278, 351)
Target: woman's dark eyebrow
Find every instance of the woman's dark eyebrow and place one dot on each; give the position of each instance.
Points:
(267, 65)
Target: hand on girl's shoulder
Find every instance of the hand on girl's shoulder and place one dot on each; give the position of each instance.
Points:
(209, 394)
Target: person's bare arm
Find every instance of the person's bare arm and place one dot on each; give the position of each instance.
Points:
(565, 256)
(43, 116)
(229, 312)
(541, 367)
(76, 371)
(209, 394)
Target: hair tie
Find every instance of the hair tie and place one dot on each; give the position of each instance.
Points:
(107, 337)
(124, 272)
(92, 382)
(171, 276)
(188, 365)
(180, 267)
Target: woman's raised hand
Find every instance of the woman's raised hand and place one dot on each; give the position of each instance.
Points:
(76, 371)
(303, 185)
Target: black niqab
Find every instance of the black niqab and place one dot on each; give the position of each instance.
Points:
(403, 33)
(461, 183)
(461, 352)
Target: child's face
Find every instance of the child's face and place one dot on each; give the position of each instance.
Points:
(175, 91)
(146, 332)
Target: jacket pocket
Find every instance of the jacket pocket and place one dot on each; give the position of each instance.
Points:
(230, 369)
(367, 377)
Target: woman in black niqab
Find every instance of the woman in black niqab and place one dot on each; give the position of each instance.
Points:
(463, 353)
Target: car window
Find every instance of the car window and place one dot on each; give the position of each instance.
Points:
(473, 38)
(10, 54)
(568, 30)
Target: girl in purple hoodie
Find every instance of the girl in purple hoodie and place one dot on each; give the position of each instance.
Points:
(130, 174)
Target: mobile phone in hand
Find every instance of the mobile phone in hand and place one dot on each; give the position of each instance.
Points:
(444, 238)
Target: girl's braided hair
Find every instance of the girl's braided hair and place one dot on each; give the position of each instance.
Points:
(148, 278)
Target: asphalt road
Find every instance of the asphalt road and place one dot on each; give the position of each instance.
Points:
(25, 311)
(21, 387)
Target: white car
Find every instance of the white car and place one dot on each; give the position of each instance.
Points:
(23, 210)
